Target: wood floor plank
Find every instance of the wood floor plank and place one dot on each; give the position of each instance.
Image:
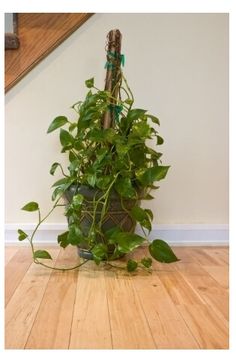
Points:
(23, 306)
(205, 326)
(178, 289)
(15, 271)
(193, 290)
(10, 251)
(129, 326)
(203, 258)
(208, 289)
(168, 328)
(221, 255)
(220, 274)
(52, 326)
(183, 254)
(91, 324)
(181, 305)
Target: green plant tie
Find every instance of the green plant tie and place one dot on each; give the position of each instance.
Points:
(117, 109)
(109, 65)
(115, 55)
(122, 59)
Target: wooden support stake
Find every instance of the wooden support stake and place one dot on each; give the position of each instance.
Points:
(113, 73)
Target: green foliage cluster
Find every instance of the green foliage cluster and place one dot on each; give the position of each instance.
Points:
(107, 160)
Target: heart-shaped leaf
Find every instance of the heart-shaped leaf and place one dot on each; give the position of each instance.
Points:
(146, 262)
(75, 235)
(153, 174)
(99, 252)
(142, 216)
(124, 187)
(62, 239)
(57, 123)
(22, 235)
(89, 83)
(131, 265)
(126, 241)
(42, 254)
(66, 138)
(54, 167)
(31, 206)
(161, 251)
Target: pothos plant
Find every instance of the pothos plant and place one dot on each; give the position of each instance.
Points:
(113, 161)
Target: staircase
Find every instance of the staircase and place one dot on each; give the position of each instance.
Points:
(39, 34)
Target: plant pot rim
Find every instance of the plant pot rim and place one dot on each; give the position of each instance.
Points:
(88, 191)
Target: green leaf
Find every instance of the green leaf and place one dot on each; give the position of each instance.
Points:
(154, 187)
(42, 254)
(150, 213)
(62, 239)
(91, 179)
(90, 83)
(131, 265)
(137, 156)
(75, 235)
(148, 197)
(101, 153)
(62, 181)
(141, 216)
(124, 187)
(153, 174)
(22, 235)
(129, 101)
(160, 140)
(154, 153)
(142, 130)
(135, 114)
(77, 201)
(110, 233)
(72, 127)
(96, 135)
(153, 118)
(146, 262)
(54, 167)
(57, 123)
(99, 252)
(138, 213)
(57, 192)
(32, 206)
(62, 185)
(66, 138)
(72, 156)
(74, 166)
(103, 182)
(126, 241)
(109, 135)
(122, 149)
(162, 252)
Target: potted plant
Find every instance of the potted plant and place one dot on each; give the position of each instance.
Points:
(110, 170)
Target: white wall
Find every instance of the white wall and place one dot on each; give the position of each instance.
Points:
(177, 66)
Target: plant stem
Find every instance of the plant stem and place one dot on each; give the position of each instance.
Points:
(106, 195)
(115, 266)
(145, 234)
(128, 88)
(56, 268)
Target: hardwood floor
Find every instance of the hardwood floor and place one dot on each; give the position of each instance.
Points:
(178, 306)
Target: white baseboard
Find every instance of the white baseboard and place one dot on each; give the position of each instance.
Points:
(174, 234)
